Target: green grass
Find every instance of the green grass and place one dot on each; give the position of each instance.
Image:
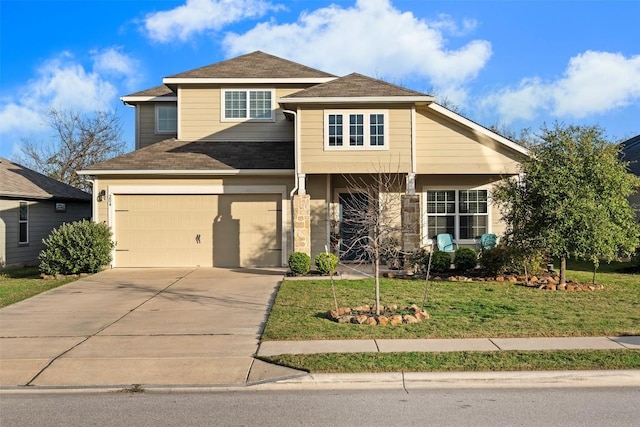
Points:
(22, 283)
(461, 361)
(462, 309)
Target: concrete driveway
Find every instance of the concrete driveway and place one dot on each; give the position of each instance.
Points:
(142, 326)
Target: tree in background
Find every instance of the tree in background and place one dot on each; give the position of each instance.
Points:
(571, 198)
(79, 141)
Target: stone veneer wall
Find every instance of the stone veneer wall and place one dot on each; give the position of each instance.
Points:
(410, 223)
(302, 223)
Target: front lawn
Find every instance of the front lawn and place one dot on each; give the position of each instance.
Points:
(22, 283)
(462, 309)
(461, 361)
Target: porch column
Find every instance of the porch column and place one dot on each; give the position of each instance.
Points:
(410, 222)
(302, 223)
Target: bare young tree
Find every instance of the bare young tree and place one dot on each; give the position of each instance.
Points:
(371, 220)
(79, 141)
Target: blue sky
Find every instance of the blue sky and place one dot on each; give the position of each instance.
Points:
(513, 63)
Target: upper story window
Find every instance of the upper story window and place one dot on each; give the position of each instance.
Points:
(166, 119)
(247, 104)
(23, 223)
(356, 130)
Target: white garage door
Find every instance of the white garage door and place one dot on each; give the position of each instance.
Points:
(242, 230)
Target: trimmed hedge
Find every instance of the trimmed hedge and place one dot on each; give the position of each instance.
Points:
(440, 262)
(326, 263)
(466, 259)
(299, 262)
(77, 247)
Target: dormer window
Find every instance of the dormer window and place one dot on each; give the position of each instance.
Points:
(363, 130)
(247, 105)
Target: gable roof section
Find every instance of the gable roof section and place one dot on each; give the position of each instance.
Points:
(631, 153)
(252, 67)
(481, 130)
(173, 156)
(158, 93)
(356, 88)
(17, 181)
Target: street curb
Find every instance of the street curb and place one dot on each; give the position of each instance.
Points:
(405, 382)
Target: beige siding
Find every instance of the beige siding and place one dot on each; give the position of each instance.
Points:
(42, 219)
(146, 132)
(200, 118)
(445, 147)
(317, 159)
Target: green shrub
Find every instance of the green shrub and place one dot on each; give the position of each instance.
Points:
(78, 247)
(299, 262)
(326, 263)
(419, 259)
(466, 259)
(440, 262)
(494, 261)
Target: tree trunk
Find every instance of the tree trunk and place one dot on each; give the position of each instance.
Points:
(377, 274)
(563, 270)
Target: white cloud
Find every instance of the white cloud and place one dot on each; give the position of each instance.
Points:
(374, 38)
(593, 83)
(112, 62)
(63, 82)
(198, 16)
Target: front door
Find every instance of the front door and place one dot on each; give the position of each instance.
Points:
(353, 226)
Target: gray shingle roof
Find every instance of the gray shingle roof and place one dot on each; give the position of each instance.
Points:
(157, 91)
(354, 85)
(19, 181)
(254, 65)
(174, 154)
(631, 153)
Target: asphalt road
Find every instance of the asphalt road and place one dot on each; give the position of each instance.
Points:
(464, 407)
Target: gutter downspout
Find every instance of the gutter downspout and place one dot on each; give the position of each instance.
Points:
(296, 150)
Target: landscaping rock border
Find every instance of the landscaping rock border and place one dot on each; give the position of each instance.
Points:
(389, 315)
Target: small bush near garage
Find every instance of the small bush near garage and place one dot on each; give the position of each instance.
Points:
(78, 247)
(440, 262)
(326, 263)
(299, 262)
(466, 259)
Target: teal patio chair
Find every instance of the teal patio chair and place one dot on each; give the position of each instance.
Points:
(488, 241)
(446, 243)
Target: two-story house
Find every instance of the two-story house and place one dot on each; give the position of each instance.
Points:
(241, 162)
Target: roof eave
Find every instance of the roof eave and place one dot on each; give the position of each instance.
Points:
(246, 80)
(136, 99)
(192, 172)
(423, 100)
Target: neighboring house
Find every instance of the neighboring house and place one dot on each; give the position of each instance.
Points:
(631, 153)
(31, 205)
(241, 162)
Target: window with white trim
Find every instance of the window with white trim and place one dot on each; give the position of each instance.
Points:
(247, 104)
(356, 130)
(462, 213)
(23, 223)
(166, 119)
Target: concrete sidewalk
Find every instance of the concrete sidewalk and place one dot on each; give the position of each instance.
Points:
(272, 348)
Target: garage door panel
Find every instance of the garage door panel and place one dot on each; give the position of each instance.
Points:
(247, 231)
(164, 230)
(198, 230)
